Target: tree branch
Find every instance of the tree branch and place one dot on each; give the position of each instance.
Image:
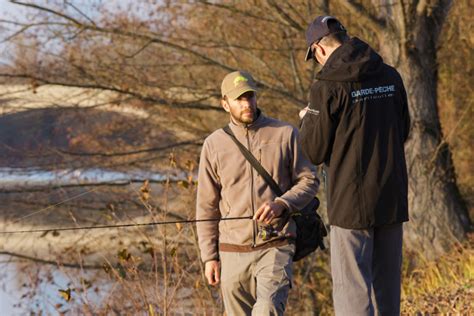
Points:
(196, 142)
(284, 16)
(147, 37)
(117, 31)
(25, 27)
(438, 11)
(296, 73)
(147, 98)
(50, 262)
(233, 9)
(366, 17)
(48, 186)
(80, 12)
(421, 7)
(41, 8)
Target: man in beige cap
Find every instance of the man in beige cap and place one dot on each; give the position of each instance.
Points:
(251, 258)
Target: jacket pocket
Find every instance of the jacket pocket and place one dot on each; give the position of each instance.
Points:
(273, 158)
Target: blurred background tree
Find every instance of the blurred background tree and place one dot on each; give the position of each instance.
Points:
(168, 58)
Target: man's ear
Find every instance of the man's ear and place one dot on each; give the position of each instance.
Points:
(321, 49)
(225, 105)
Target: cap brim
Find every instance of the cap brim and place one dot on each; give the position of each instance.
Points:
(309, 54)
(234, 94)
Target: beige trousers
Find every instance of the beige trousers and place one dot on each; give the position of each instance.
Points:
(257, 282)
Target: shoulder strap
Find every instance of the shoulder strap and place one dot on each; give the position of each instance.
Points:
(254, 162)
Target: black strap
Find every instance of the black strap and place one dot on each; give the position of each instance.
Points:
(254, 162)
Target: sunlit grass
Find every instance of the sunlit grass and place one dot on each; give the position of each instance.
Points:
(445, 285)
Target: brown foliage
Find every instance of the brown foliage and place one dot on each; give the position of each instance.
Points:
(171, 59)
(456, 94)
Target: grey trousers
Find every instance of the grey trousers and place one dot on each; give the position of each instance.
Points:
(366, 270)
(257, 282)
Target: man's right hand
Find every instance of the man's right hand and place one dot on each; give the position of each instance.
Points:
(213, 272)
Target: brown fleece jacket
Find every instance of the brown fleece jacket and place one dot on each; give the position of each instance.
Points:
(228, 186)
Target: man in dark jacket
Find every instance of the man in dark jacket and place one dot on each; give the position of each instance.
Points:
(356, 124)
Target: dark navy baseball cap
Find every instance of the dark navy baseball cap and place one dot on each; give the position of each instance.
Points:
(318, 29)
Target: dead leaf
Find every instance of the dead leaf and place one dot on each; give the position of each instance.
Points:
(172, 160)
(145, 191)
(124, 255)
(66, 294)
(183, 184)
(106, 267)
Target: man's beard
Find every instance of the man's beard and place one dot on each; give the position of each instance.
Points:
(245, 118)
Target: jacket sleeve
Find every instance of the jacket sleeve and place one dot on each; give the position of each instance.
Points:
(405, 114)
(304, 181)
(207, 206)
(318, 126)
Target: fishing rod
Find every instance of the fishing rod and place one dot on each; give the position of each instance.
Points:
(45, 230)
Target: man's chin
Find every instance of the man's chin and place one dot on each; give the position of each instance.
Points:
(243, 119)
(247, 120)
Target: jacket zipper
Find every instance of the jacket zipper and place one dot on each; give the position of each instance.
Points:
(251, 190)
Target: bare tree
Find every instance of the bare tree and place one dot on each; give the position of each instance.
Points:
(175, 57)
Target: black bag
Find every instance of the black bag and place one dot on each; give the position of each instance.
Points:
(310, 229)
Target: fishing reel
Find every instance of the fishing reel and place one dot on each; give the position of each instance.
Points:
(267, 232)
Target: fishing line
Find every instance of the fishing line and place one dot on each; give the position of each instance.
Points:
(54, 205)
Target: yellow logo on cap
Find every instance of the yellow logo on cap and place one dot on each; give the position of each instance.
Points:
(239, 79)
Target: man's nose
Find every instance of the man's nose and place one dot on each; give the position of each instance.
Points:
(245, 102)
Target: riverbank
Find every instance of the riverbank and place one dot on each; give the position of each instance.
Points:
(131, 264)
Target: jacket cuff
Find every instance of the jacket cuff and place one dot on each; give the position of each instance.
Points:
(211, 260)
(283, 201)
(210, 257)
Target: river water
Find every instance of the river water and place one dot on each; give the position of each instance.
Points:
(18, 298)
(13, 276)
(13, 178)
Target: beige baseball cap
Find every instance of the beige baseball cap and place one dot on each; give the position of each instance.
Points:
(237, 83)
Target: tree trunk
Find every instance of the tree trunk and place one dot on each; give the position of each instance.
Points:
(438, 215)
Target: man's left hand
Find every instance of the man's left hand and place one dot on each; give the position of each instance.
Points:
(302, 113)
(268, 211)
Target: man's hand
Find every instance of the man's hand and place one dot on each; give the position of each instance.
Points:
(303, 112)
(268, 211)
(213, 272)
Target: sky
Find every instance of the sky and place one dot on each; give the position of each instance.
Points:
(8, 11)
(13, 12)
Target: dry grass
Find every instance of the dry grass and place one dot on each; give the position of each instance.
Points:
(444, 286)
(160, 273)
